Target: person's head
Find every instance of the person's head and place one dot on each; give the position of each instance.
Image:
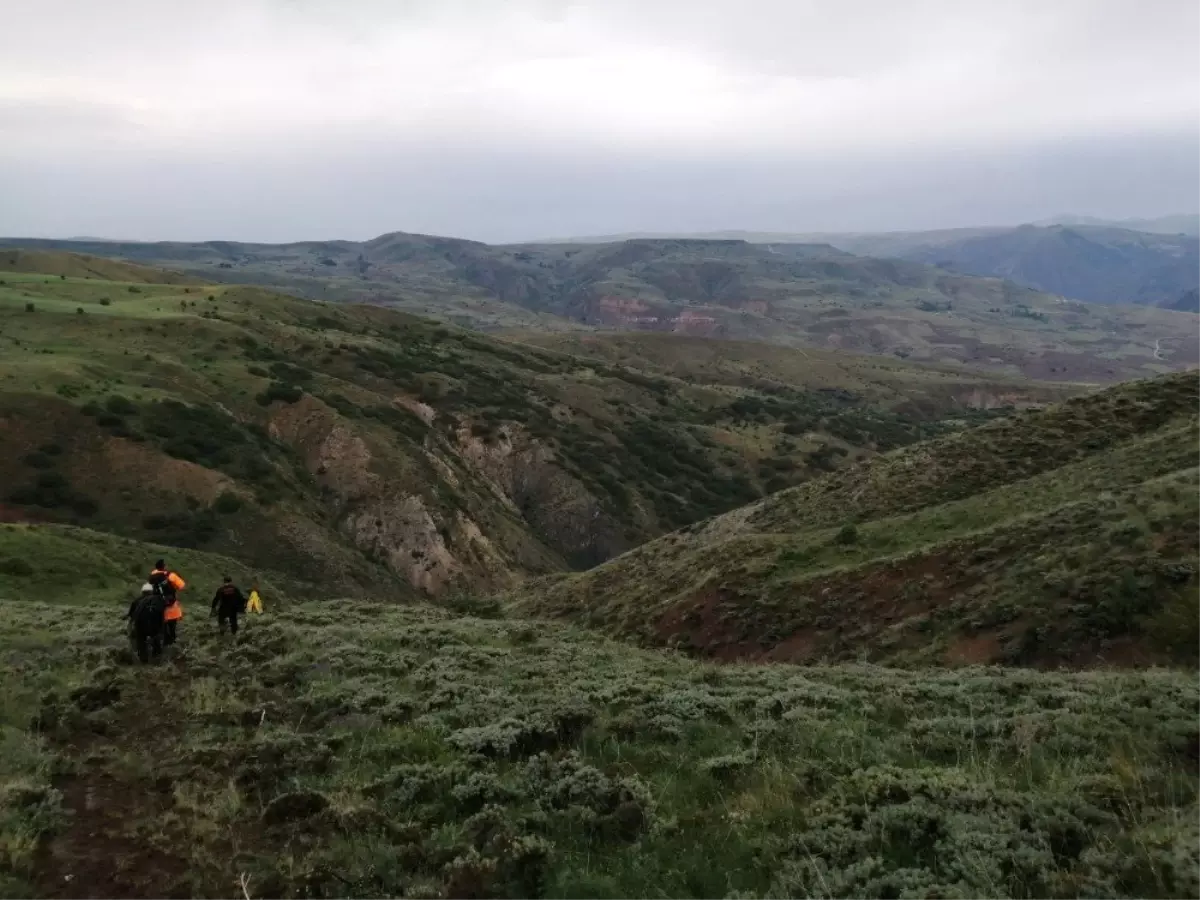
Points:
(161, 564)
(147, 589)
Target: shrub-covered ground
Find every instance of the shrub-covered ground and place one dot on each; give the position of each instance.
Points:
(351, 749)
(1065, 536)
(367, 451)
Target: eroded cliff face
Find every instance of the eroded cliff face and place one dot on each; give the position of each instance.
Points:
(557, 506)
(383, 504)
(450, 514)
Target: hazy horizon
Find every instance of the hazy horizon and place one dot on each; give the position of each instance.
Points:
(564, 237)
(281, 120)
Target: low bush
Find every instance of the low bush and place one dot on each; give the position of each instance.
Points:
(278, 391)
(38, 460)
(847, 534)
(120, 406)
(16, 567)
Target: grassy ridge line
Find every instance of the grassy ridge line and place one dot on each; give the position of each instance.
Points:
(1017, 447)
(82, 266)
(78, 566)
(1076, 522)
(354, 749)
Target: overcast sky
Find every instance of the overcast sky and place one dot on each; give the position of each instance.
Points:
(516, 119)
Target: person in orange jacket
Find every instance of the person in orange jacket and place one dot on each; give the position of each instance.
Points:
(168, 584)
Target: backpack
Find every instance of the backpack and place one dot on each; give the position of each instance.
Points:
(148, 615)
(164, 584)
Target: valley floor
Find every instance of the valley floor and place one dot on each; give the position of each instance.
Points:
(351, 749)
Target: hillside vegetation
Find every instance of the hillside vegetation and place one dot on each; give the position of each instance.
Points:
(1137, 261)
(800, 295)
(1065, 536)
(76, 265)
(352, 749)
(349, 745)
(360, 449)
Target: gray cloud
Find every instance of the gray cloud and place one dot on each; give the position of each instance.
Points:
(266, 119)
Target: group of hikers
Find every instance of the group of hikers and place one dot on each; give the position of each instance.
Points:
(154, 615)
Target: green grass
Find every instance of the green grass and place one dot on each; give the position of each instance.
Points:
(81, 567)
(357, 747)
(1061, 536)
(520, 460)
(354, 749)
(798, 296)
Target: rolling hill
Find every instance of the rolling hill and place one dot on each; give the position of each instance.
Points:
(348, 745)
(1065, 536)
(1095, 264)
(76, 265)
(798, 295)
(1151, 262)
(357, 448)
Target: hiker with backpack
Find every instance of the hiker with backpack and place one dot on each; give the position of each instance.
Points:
(145, 617)
(168, 584)
(228, 602)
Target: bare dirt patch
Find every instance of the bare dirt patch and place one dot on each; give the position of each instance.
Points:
(101, 851)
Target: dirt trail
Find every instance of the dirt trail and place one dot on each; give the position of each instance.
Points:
(100, 851)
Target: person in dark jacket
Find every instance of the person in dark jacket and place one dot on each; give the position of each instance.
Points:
(228, 603)
(146, 624)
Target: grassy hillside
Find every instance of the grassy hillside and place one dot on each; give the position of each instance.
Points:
(890, 382)
(799, 295)
(351, 746)
(51, 563)
(1061, 536)
(357, 448)
(81, 266)
(350, 749)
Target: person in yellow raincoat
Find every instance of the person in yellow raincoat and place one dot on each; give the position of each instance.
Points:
(168, 584)
(254, 601)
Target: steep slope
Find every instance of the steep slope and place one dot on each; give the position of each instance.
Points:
(357, 448)
(1061, 536)
(798, 295)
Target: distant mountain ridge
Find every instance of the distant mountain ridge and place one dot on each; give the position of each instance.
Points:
(1180, 223)
(792, 294)
(1144, 262)
(1097, 264)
